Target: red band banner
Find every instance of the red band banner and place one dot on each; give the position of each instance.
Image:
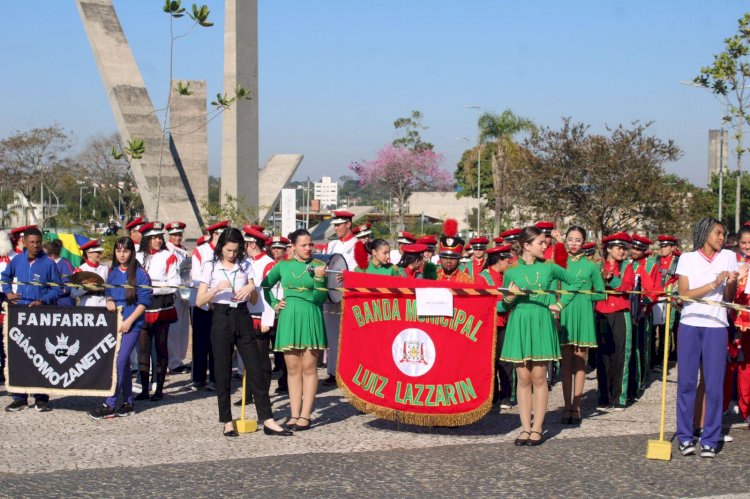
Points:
(423, 370)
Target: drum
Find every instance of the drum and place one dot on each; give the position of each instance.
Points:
(336, 265)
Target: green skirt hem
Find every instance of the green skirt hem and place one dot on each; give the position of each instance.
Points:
(580, 344)
(289, 348)
(526, 359)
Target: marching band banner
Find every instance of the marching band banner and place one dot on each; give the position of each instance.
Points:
(423, 370)
(61, 350)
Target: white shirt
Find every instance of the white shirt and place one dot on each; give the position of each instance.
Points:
(238, 277)
(162, 268)
(87, 300)
(395, 256)
(700, 271)
(261, 264)
(201, 254)
(345, 248)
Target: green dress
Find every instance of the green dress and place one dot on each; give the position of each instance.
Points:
(375, 268)
(577, 318)
(300, 323)
(531, 333)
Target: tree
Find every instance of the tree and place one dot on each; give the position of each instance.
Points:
(410, 127)
(29, 159)
(398, 171)
(729, 76)
(502, 130)
(111, 176)
(466, 172)
(605, 182)
(730, 185)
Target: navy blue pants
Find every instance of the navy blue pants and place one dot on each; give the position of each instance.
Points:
(124, 379)
(706, 345)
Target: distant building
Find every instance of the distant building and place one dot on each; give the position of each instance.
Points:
(442, 205)
(718, 152)
(327, 192)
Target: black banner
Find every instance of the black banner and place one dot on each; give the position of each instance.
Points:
(61, 350)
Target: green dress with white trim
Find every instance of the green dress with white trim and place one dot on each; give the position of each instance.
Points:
(300, 324)
(531, 333)
(577, 318)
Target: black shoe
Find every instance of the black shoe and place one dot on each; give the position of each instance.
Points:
(707, 451)
(330, 380)
(520, 442)
(157, 396)
(298, 427)
(17, 405)
(42, 406)
(534, 443)
(126, 410)
(231, 433)
(102, 412)
(197, 385)
(281, 389)
(277, 433)
(180, 370)
(288, 425)
(687, 448)
(276, 369)
(142, 396)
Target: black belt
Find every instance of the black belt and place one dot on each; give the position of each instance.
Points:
(230, 306)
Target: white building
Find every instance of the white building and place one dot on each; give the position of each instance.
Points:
(442, 205)
(327, 192)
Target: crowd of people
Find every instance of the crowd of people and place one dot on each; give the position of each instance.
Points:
(244, 292)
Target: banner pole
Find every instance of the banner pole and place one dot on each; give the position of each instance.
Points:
(245, 425)
(659, 449)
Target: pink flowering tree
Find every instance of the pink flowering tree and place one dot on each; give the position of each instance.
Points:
(399, 171)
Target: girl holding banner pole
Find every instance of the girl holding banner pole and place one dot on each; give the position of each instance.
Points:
(300, 332)
(134, 302)
(531, 338)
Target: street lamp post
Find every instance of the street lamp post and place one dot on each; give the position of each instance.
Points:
(479, 173)
(80, 201)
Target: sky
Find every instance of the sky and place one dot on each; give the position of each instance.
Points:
(334, 74)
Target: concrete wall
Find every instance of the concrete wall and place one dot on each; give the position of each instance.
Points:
(239, 153)
(442, 205)
(133, 111)
(187, 124)
(715, 152)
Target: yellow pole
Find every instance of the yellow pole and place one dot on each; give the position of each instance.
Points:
(244, 386)
(245, 425)
(659, 449)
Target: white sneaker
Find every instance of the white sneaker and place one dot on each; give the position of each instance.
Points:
(728, 438)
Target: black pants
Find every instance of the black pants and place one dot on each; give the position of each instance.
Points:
(157, 334)
(230, 328)
(203, 356)
(613, 336)
(503, 370)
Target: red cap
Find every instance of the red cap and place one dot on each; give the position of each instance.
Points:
(510, 235)
(201, 240)
(257, 227)
(468, 248)
(135, 223)
(18, 231)
(545, 227)
(405, 238)
(617, 239)
(414, 248)
(279, 242)
(92, 246)
(588, 246)
(666, 239)
(505, 251)
(427, 240)
(641, 242)
(498, 241)
(151, 229)
(175, 227)
(253, 234)
(479, 241)
(220, 226)
(341, 216)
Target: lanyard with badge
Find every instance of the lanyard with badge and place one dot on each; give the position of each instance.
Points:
(233, 302)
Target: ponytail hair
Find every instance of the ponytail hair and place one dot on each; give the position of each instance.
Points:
(375, 244)
(492, 259)
(527, 235)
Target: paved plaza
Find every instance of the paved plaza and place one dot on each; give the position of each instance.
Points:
(175, 449)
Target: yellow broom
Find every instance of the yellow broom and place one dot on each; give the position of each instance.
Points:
(660, 449)
(245, 425)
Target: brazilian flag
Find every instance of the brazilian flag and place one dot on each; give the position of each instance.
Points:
(71, 246)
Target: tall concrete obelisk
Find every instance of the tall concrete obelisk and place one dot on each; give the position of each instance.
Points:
(239, 151)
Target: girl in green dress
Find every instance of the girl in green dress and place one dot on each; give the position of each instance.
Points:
(300, 333)
(577, 330)
(531, 339)
(379, 252)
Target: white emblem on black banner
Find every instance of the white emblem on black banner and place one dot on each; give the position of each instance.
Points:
(62, 351)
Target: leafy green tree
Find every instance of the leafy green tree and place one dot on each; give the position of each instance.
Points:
(411, 137)
(605, 182)
(730, 187)
(729, 76)
(466, 172)
(502, 129)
